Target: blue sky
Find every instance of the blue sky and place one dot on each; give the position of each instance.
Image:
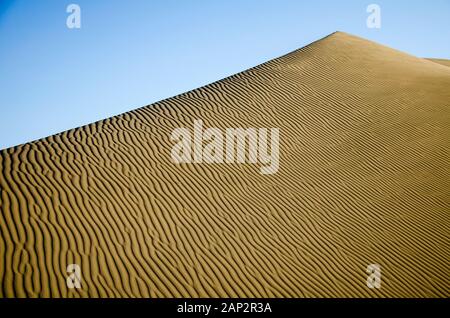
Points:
(128, 54)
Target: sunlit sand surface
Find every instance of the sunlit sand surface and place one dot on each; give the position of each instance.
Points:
(363, 179)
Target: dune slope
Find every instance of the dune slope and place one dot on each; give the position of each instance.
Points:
(363, 179)
(441, 61)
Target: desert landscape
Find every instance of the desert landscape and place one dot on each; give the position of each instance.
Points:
(363, 178)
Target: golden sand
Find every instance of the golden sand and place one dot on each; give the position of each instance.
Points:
(441, 61)
(363, 179)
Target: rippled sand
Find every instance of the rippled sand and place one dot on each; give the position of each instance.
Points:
(363, 178)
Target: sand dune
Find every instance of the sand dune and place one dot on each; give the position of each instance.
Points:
(363, 179)
(441, 61)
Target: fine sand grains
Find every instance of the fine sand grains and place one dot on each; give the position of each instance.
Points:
(363, 179)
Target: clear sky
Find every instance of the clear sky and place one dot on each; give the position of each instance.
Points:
(131, 53)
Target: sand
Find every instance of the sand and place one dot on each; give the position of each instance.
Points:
(441, 61)
(363, 179)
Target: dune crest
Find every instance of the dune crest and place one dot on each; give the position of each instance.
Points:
(364, 180)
